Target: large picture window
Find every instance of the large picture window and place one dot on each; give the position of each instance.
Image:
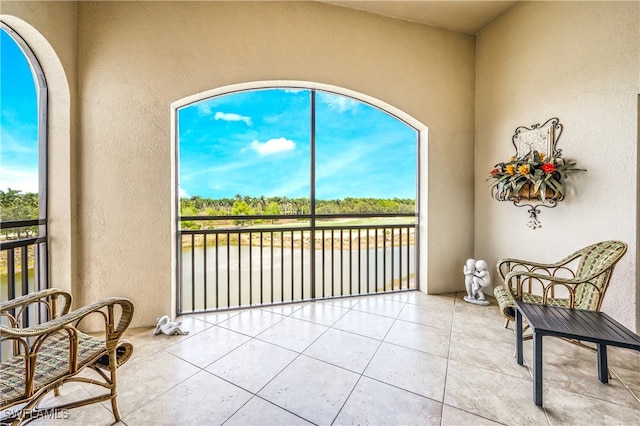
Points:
(291, 194)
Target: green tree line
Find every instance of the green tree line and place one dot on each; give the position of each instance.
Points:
(246, 205)
(16, 205)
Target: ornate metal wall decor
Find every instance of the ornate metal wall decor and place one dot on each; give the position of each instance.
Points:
(533, 178)
(539, 137)
(542, 138)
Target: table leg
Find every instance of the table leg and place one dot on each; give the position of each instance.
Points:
(519, 337)
(603, 373)
(537, 369)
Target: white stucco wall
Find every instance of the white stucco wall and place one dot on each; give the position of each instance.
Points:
(578, 61)
(136, 58)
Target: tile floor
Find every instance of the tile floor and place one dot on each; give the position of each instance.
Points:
(394, 359)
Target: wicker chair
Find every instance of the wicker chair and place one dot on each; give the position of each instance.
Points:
(561, 283)
(39, 358)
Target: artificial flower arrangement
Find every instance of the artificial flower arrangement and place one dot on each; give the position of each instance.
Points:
(534, 173)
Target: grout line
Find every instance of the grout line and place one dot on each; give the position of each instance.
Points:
(446, 372)
(366, 366)
(624, 384)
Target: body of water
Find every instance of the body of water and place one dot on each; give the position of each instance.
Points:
(248, 275)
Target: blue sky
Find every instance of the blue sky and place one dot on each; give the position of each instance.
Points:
(258, 143)
(249, 143)
(18, 120)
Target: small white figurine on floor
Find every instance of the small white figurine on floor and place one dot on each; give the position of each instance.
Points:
(468, 269)
(166, 326)
(476, 277)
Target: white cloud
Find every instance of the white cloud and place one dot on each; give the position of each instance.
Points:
(203, 109)
(273, 146)
(183, 193)
(19, 179)
(272, 119)
(293, 90)
(338, 103)
(230, 116)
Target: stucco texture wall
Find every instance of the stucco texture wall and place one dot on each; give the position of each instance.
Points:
(135, 58)
(577, 61)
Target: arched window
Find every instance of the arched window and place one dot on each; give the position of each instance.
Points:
(293, 193)
(23, 171)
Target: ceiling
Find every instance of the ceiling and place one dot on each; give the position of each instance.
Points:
(463, 16)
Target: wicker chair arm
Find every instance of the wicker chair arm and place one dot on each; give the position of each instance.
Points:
(75, 316)
(37, 297)
(507, 266)
(566, 281)
(547, 283)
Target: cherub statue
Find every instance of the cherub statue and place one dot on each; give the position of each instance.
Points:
(469, 269)
(166, 326)
(476, 278)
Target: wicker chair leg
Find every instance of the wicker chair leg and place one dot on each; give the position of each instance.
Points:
(114, 391)
(114, 407)
(506, 323)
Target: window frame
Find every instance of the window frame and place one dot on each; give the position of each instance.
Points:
(421, 134)
(42, 101)
(40, 242)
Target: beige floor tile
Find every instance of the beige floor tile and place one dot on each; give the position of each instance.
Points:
(343, 302)
(567, 408)
(285, 309)
(145, 343)
(494, 355)
(365, 324)
(491, 395)
(415, 371)
(252, 322)
(380, 306)
(436, 302)
(622, 357)
(311, 389)
(484, 321)
(625, 363)
(419, 337)
(137, 331)
(252, 365)
(68, 392)
(321, 313)
(440, 316)
(344, 349)
(192, 324)
(95, 414)
(491, 311)
(214, 317)
(441, 358)
(574, 369)
(260, 412)
(208, 346)
(141, 381)
(292, 333)
(403, 296)
(629, 377)
(368, 404)
(452, 416)
(203, 399)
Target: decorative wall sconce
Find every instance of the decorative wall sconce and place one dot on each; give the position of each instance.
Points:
(533, 177)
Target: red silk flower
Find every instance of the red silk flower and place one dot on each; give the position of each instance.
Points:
(548, 168)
